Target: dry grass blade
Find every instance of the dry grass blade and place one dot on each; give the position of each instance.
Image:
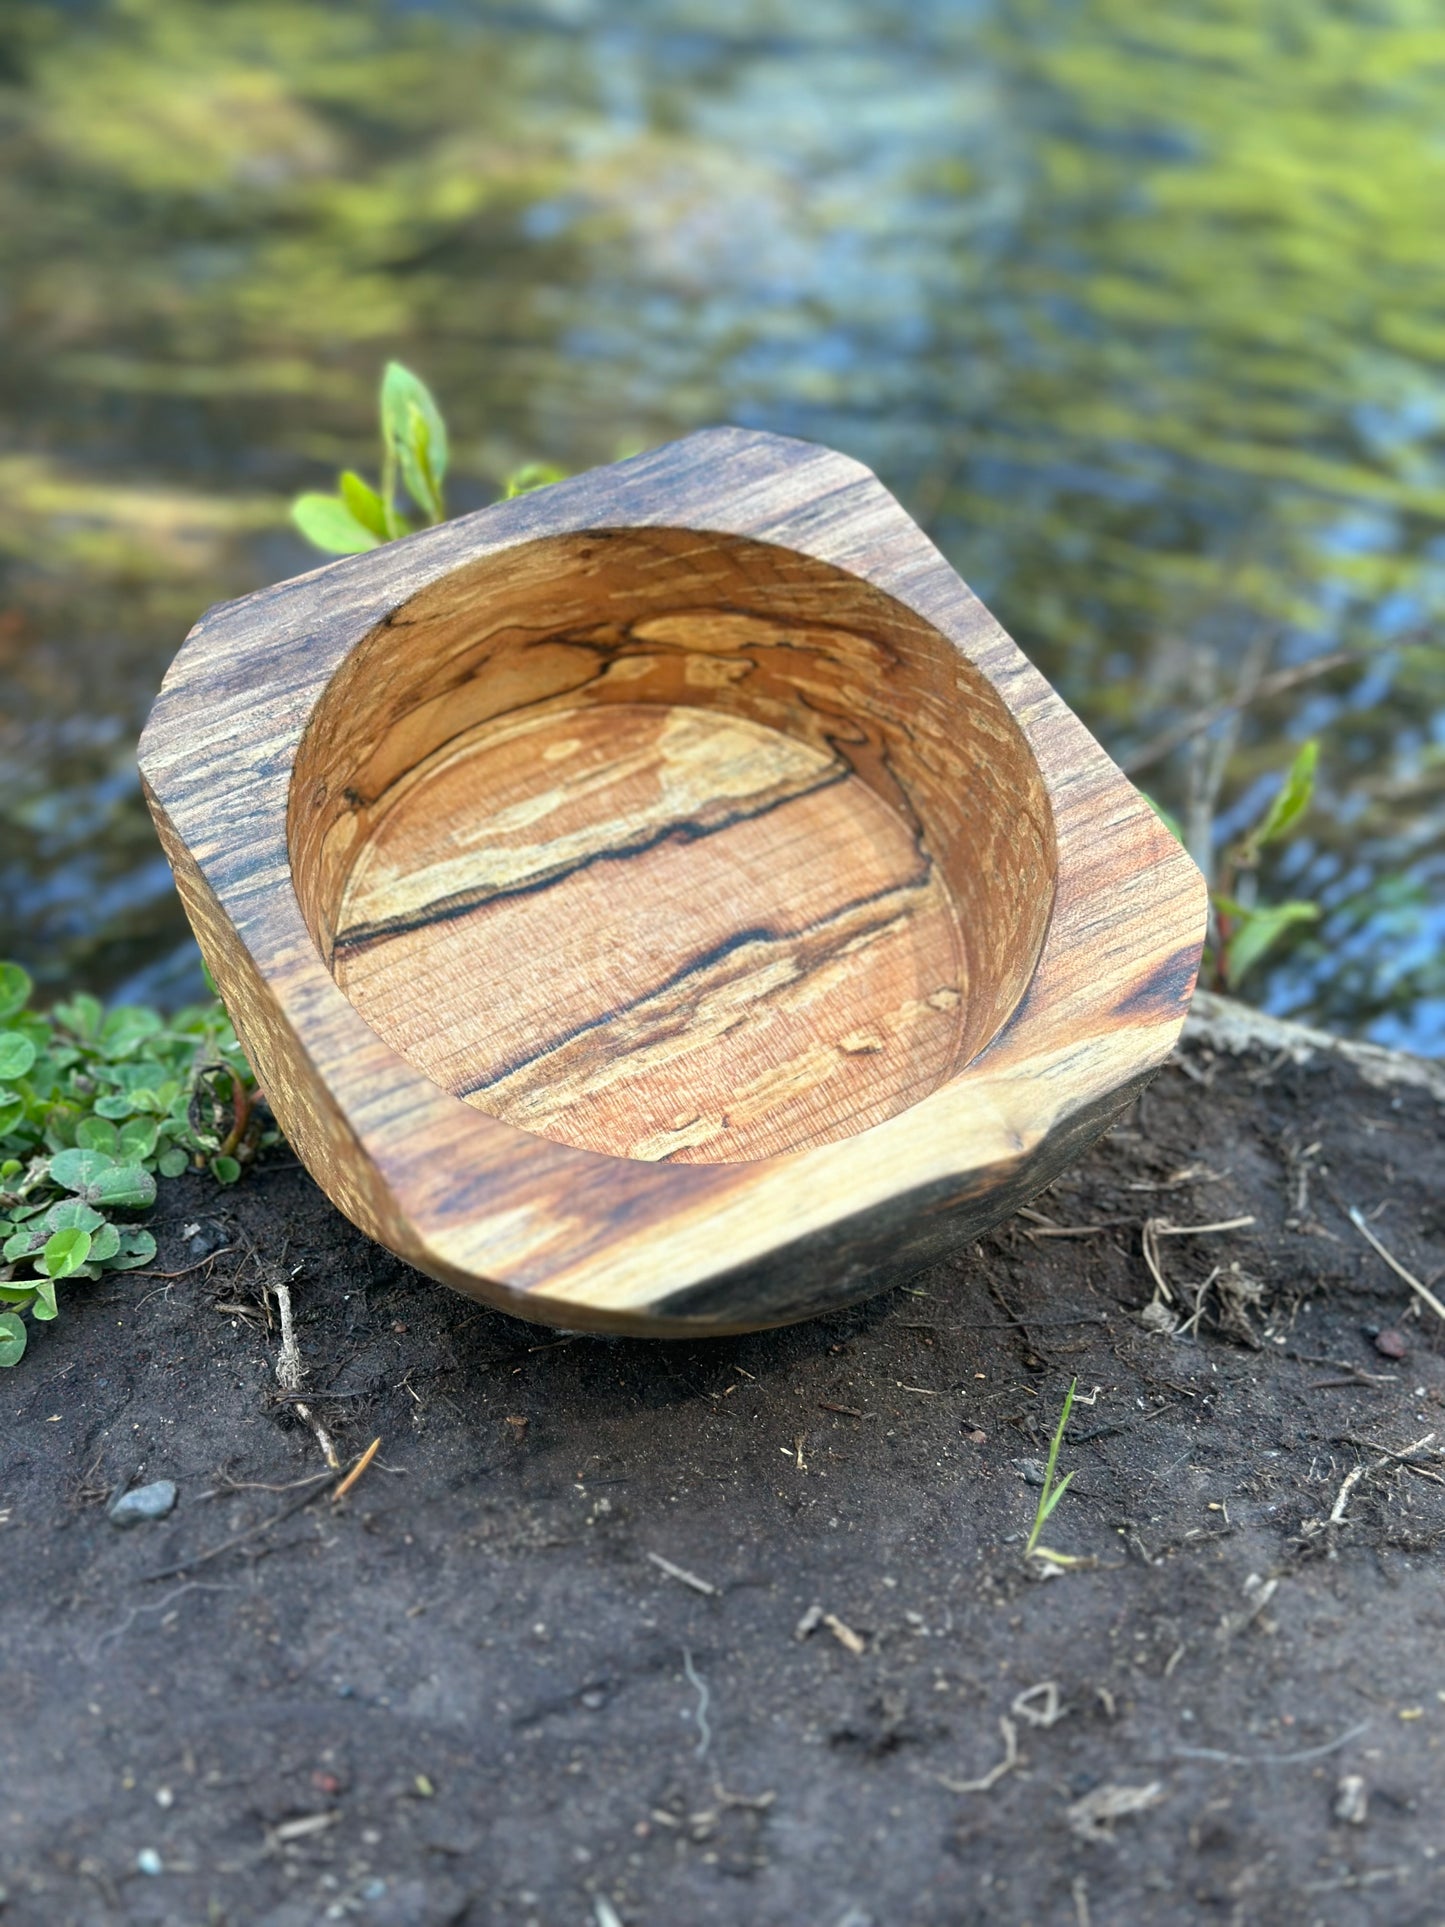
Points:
(356, 1471)
(1157, 1228)
(683, 1576)
(995, 1773)
(1356, 1218)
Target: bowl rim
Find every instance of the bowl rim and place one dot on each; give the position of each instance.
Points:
(585, 1239)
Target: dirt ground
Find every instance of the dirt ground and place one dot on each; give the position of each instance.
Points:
(549, 1663)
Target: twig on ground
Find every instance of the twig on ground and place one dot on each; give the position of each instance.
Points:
(186, 1270)
(290, 1372)
(1157, 1228)
(1405, 1458)
(1373, 1445)
(853, 1642)
(256, 1485)
(1343, 1365)
(683, 1576)
(1342, 1497)
(995, 1773)
(1040, 1226)
(240, 1538)
(1357, 1219)
(340, 1491)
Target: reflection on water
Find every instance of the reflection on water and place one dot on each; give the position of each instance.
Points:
(1141, 311)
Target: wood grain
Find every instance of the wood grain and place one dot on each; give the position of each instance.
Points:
(655, 931)
(668, 902)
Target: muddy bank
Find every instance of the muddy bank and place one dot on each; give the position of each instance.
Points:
(557, 1652)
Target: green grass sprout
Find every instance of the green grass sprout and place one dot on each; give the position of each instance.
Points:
(1052, 1493)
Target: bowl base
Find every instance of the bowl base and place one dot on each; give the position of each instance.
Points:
(655, 931)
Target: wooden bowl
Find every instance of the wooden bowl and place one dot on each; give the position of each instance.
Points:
(668, 903)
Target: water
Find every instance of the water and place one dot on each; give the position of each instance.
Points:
(1140, 311)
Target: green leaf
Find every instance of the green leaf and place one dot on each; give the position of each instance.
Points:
(225, 1170)
(15, 989)
(1256, 931)
(1053, 1497)
(118, 1104)
(17, 1054)
(72, 1215)
(65, 1252)
(530, 477)
(137, 1247)
(414, 432)
(83, 1015)
(100, 1180)
(104, 1244)
(173, 1162)
(127, 1026)
(1292, 800)
(12, 1329)
(137, 1139)
(20, 1244)
(12, 1109)
(128, 1185)
(94, 1134)
(19, 1292)
(326, 521)
(364, 503)
(44, 1306)
(78, 1170)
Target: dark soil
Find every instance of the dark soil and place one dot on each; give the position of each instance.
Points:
(466, 1693)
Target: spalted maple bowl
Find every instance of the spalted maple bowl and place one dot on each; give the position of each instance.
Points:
(668, 903)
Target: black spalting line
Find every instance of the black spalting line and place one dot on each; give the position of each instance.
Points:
(627, 644)
(462, 902)
(758, 933)
(1166, 991)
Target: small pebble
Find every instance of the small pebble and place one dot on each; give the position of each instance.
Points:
(1390, 1344)
(203, 1239)
(151, 1501)
(149, 1861)
(1031, 1471)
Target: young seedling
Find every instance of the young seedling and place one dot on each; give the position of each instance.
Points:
(1052, 1493)
(414, 454)
(1245, 928)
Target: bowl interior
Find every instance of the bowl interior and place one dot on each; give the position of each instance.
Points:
(671, 845)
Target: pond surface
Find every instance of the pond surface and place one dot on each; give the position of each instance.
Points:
(1140, 311)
